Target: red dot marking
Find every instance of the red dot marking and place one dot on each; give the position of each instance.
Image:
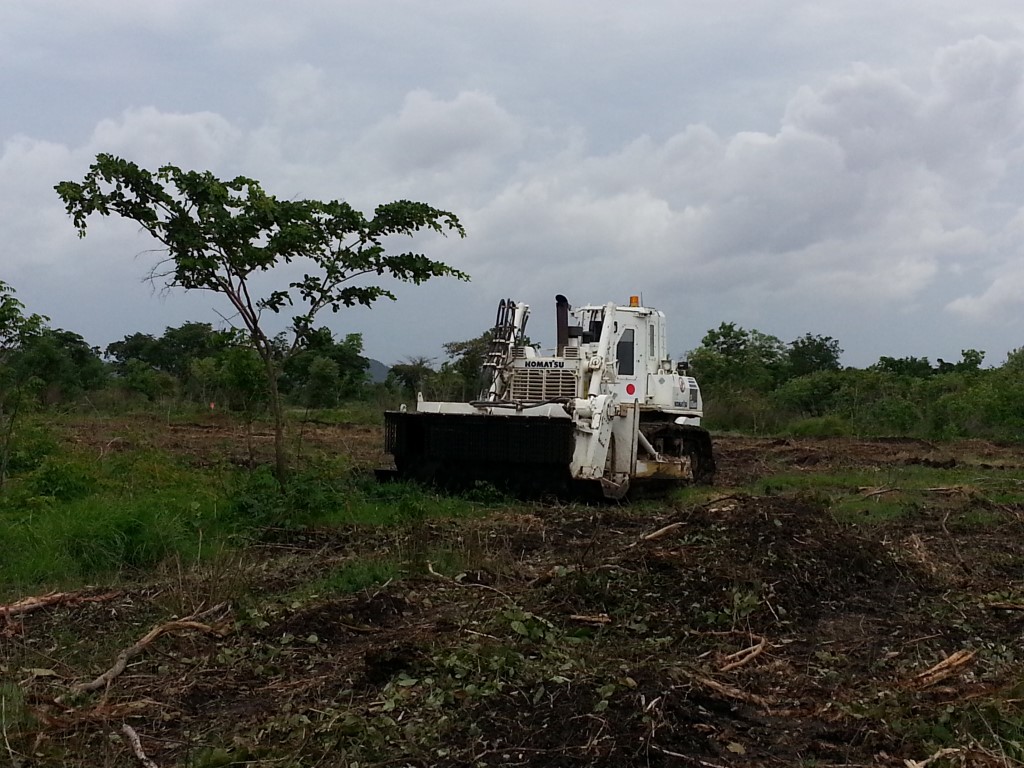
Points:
(630, 389)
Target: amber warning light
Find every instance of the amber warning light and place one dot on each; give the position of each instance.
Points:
(634, 301)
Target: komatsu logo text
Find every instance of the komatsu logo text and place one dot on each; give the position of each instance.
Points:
(544, 363)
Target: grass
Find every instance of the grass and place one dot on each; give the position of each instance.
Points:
(870, 496)
(74, 517)
(69, 516)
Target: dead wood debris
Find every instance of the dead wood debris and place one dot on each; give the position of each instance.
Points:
(729, 691)
(664, 531)
(29, 604)
(188, 623)
(1007, 606)
(745, 656)
(868, 492)
(945, 668)
(947, 752)
(599, 619)
(435, 574)
(133, 741)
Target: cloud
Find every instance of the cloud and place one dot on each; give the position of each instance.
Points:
(850, 194)
(152, 138)
(452, 147)
(748, 171)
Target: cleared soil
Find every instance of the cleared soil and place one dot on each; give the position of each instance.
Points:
(768, 620)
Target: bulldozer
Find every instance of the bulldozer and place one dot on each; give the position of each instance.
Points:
(607, 414)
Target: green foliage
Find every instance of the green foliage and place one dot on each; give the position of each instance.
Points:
(138, 377)
(243, 378)
(17, 331)
(813, 394)
(466, 361)
(60, 365)
(752, 383)
(29, 446)
(75, 519)
(219, 234)
(811, 354)
(411, 375)
(359, 574)
(321, 371)
(732, 358)
(323, 381)
(63, 479)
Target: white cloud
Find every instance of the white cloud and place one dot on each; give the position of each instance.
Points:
(152, 138)
(439, 145)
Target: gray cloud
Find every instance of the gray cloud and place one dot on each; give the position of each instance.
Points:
(789, 168)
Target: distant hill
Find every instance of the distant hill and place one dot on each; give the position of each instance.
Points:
(377, 371)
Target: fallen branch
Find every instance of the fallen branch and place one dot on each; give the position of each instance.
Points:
(951, 490)
(29, 604)
(947, 752)
(745, 656)
(1007, 606)
(730, 692)
(432, 572)
(121, 662)
(867, 492)
(601, 618)
(945, 668)
(133, 741)
(655, 535)
(952, 543)
(689, 758)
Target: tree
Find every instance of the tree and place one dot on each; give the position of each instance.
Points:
(811, 354)
(914, 367)
(322, 384)
(466, 359)
(173, 352)
(346, 356)
(411, 374)
(16, 330)
(61, 364)
(732, 358)
(218, 234)
(138, 346)
(178, 347)
(970, 362)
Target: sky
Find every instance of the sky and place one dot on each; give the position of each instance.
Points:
(842, 168)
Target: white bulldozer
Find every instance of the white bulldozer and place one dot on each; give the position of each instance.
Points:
(609, 411)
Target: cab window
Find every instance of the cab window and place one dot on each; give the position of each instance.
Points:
(624, 353)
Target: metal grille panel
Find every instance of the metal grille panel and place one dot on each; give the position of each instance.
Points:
(530, 385)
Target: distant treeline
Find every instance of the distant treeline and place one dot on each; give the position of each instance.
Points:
(752, 381)
(192, 362)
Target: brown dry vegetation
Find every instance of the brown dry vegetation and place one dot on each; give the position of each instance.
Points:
(794, 614)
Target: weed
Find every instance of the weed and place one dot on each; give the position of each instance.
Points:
(63, 479)
(355, 575)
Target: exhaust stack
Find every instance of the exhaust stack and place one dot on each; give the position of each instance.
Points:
(561, 324)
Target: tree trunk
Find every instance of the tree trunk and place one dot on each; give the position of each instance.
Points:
(277, 409)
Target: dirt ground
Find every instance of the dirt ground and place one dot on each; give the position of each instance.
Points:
(755, 623)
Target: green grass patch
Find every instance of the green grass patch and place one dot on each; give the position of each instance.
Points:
(356, 575)
(68, 517)
(329, 494)
(873, 509)
(363, 573)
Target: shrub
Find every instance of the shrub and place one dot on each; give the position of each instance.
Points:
(820, 426)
